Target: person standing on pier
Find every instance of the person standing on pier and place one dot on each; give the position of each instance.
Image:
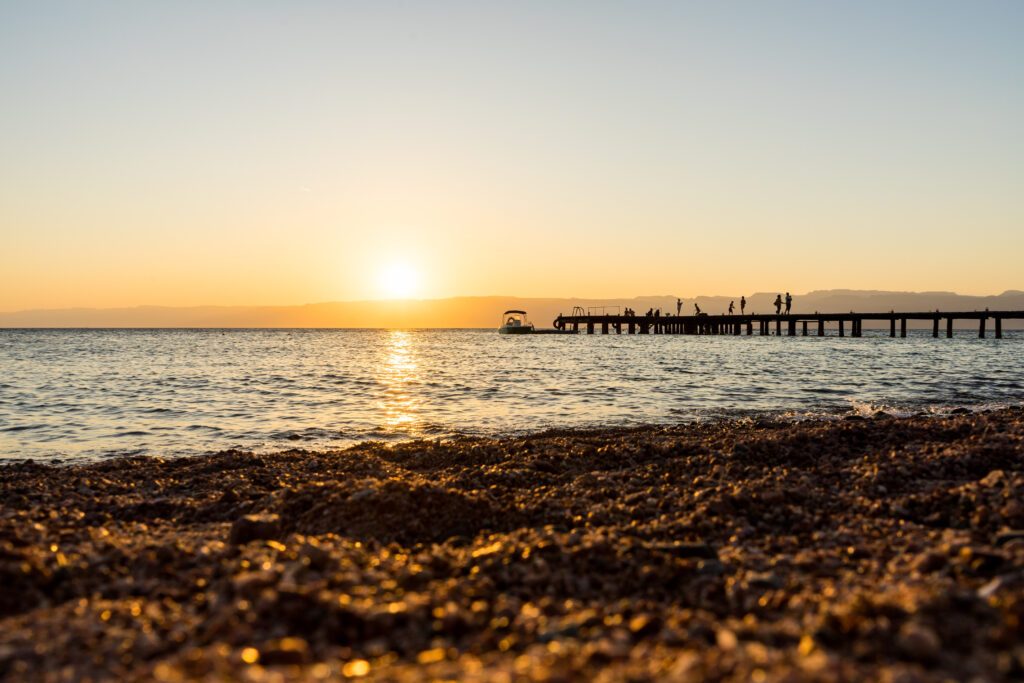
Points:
(778, 304)
(696, 308)
(731, 307)
(743, 304)
(679, 306)
(789, 303)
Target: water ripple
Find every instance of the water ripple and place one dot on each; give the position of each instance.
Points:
(93, 393)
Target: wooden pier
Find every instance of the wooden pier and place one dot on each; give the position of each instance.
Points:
(792, 325)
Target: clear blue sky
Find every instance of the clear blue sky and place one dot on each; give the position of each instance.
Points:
(272, 152)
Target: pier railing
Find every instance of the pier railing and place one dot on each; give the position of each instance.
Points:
(783, 323)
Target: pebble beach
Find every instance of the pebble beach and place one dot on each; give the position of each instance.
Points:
(746, 550)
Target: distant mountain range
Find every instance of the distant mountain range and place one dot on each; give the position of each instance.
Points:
(485, 311)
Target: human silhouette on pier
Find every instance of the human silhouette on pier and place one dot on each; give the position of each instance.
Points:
(696, 308)
(731, 307)
(778, 304)
(743, 304)
(679, 306)
(789, 303)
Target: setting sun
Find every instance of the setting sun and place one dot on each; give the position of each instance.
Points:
(398, 281)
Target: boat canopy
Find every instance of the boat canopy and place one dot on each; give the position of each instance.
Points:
(519, 312)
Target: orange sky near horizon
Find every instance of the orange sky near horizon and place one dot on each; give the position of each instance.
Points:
(270, 155)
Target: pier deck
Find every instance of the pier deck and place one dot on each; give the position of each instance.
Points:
(791, 325)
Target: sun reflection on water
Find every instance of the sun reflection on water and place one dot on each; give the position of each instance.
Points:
(398, 375)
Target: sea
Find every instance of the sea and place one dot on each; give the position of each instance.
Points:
(69, 395)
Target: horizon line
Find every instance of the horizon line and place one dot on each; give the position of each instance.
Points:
(1006, 292)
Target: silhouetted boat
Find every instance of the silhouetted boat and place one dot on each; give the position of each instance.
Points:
(515, 322)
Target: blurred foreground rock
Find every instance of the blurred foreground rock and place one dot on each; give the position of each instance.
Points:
(885, 549)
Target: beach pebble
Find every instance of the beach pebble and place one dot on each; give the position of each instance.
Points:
(1010, 536)
(764, 580)
(918, 642)
(250, 584)
(262, 527)
(285, 651)
(928, 562)
(993, 478)
(991, 588)
(726, 639)
(885, 550)
(683, 549)
(710, 567)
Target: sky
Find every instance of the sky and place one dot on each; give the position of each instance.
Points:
(197, 152)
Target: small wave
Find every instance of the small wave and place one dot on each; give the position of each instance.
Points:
(22, 428)
(868, 409)
(434, 429)
(308, 434)
(122, 453)
(261, 390)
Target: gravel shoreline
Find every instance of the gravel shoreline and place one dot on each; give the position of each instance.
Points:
(883, 548)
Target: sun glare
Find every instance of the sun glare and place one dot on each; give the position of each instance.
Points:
(398, 281)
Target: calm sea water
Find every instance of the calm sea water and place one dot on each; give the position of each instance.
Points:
(94, 393)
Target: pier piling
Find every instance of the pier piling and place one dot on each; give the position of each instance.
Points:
(732, 325)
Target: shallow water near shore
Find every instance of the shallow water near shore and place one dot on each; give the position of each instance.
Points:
(82, 394)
